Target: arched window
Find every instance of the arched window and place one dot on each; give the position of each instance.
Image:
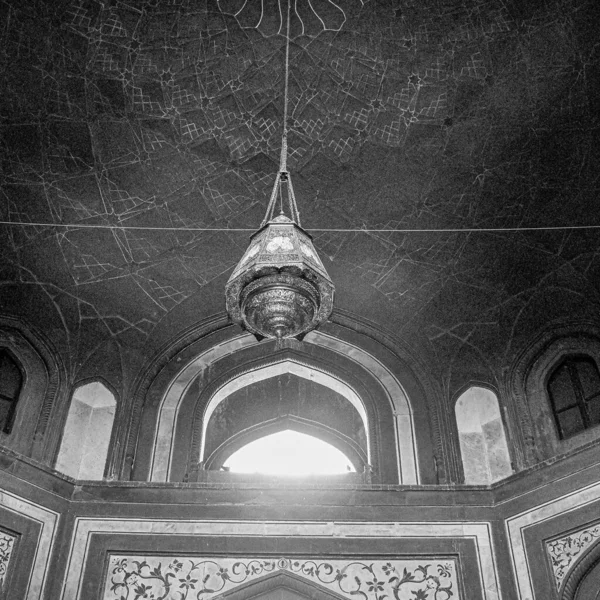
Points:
(11, 381)
(276, 409)
(84, 447)
(574, 391)
(289, 453)
(483, 446)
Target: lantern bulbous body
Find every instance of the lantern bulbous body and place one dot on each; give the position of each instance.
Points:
(279, 289)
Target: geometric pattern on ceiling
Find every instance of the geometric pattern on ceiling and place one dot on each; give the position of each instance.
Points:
(410, 115)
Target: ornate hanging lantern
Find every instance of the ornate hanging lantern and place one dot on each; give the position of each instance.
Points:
(280, 288)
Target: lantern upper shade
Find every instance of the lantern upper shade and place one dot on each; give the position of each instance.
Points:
(281, 255)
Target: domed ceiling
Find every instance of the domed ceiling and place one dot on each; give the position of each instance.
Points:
(140, 140)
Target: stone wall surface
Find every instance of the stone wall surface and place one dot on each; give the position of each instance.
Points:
(96, 540)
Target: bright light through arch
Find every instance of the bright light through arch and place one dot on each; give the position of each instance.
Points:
(289, 453)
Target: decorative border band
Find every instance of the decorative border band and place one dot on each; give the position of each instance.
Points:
(204, 578)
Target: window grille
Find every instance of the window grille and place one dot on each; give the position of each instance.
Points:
(574, 390)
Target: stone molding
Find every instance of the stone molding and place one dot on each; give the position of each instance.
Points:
(127, 429)
(446, 451)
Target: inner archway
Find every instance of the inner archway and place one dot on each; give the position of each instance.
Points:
(274, 373)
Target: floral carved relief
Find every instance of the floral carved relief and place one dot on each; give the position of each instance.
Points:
(7, 544)
(201, 578)
(564, 552)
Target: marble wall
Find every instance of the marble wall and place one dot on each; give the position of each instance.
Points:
(397, 560)
(522, 540)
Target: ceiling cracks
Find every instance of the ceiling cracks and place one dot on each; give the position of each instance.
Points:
(152, 121)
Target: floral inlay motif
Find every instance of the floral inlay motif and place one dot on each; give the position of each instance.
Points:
(202, 578)
(7, 544)
(564, 552)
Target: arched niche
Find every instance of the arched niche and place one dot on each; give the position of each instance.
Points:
(87, 433)
(191, 370)
(483, 447)
(30, 434)
(187, 365)
(530, 376)
(11, 385)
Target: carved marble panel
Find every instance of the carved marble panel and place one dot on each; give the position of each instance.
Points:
(196, 577)
(564, 552)
(7, 544)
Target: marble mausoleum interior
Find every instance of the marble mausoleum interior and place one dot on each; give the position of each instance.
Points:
(446, 162)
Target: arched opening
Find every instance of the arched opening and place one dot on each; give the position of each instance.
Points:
(483, 446)
(392, 434)
(11, 382)
(550, 412)
(84, 447)
(289, 453)
(310, 412)
(574, 391)
(352, 450)
(270, 398)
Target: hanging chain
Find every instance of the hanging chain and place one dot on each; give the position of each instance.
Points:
(283, 175)
(284, 148)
